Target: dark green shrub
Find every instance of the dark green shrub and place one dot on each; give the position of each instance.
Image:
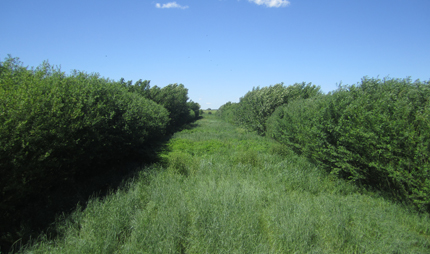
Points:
(375, 133)
(195, 107)
(191, 116)
(296, 124)
(174, 98)
(140, 87)
(54, 126)
(384, 137)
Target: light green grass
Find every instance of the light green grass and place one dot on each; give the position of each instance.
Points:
(222, 190)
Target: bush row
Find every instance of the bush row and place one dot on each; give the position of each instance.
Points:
(55, 126)
(173, 97)
(257, 105)
(375, 133)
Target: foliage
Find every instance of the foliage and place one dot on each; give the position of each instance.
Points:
(55, 126)
(174, 98)
(228, 112)
(293, 123)
(195, 107)
(257, 105)
(375, 133)
(140, 87)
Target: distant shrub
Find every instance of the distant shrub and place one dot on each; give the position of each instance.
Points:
(174, 98)
(228, 112)
(195, 107)
(191, 115)
(376, 133)
(257, 105)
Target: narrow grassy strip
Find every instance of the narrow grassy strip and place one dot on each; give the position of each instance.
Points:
(222, 190)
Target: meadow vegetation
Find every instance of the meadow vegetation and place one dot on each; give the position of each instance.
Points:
(221, 189)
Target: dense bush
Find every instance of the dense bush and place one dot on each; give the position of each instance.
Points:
(174, 98)
(140, 87)
(55, 126)
(228, 112)
(376, 133)
(257, 105)
(195, 107)
(293, 123)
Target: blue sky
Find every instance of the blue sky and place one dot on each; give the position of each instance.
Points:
(221, 49)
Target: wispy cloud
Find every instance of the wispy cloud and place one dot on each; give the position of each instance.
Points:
(170, 5)
(271, 3)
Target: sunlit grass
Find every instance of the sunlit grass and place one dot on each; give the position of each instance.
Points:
(220, 190)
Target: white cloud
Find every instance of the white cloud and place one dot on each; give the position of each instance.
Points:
(272, 3)
(170, 5)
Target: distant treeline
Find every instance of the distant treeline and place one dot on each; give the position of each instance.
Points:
(375, 133)
(55, 126)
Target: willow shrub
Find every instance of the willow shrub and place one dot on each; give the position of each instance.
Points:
(375, 133)
(194, 108)
(54, 126)
(228, 112)
(174, 98)
(258, 105)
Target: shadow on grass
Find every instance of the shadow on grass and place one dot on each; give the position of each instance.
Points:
(37, 213)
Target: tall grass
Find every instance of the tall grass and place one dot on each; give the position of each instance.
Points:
(222, 190)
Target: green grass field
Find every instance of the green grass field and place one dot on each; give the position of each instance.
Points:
(220, 189)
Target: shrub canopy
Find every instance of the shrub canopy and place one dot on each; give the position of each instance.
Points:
(375, 133)
(55, 126)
